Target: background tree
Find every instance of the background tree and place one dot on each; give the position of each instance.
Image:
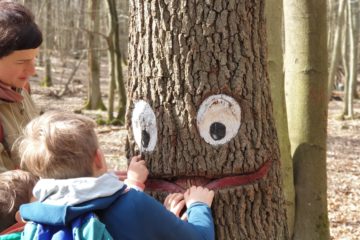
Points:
(115, 60)
(48, 40)
(94, 100)
(181, 53)
(351, 56)
(306, 77)
(336, 49)
(275, 63)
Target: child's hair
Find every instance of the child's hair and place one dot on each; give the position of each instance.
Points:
(15, 189)
(59, 145)
(18, 29)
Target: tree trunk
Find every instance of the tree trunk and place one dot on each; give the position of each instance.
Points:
(274, 14)
(335, 56)
(306, 88)
(78, 43)
(118, 64)
(345, 61)
(94, 100)
(115, 59)
(111, 61)
(355, 12)
(200, 109)
(47, 81)
(112, 84)
(353, 54)
(123, 29)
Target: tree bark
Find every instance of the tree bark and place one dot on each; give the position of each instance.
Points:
(306, 77)
(181, 53)
(274, 23)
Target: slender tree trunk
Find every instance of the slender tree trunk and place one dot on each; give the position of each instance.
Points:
(186, 56)
(335, 56)
(274, 14)
(94, 100)
(353, 41)
(345, 61)
(78, 42)
(123, 29)
(118, 70)
(111, 57)
(306, 77)
(47, 81)
(356, 13)
(112, 84)
(116, 61)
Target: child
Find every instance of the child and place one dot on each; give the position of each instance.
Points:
(62, 149)
(15, 189)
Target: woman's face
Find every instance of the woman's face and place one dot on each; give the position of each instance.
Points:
(16, 68)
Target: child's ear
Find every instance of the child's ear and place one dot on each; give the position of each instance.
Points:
(99, 166)
(18, 217)
(99, 159)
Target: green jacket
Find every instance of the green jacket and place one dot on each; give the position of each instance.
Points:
(85, 227)
(13, 118)
(11, 236)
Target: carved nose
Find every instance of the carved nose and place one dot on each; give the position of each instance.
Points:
(145, 138)
(217, 131)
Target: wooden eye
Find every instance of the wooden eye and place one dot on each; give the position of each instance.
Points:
(218, 119)
(144, 126)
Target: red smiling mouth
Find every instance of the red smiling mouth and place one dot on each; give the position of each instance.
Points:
(181, 184)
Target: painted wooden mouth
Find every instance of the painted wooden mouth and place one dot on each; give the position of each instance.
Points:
(181, 184)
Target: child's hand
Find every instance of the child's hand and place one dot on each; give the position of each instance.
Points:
(198, 194)
(175, 203)
(137, 170)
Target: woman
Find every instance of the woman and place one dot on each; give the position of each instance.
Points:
(20, 39)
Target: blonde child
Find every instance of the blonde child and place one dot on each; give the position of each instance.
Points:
(62, 149)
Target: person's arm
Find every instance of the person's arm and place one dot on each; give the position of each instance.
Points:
(158, 221)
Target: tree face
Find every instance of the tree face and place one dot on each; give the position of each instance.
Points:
(216, 133)
(200, 110)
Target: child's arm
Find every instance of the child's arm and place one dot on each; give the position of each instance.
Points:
(167, 226)
(175, 203)
(198, 194)
(137, 173)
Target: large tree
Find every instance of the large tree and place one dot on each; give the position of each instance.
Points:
(200, 109)
(306, 75)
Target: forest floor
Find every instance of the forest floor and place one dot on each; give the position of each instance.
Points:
(343, 153)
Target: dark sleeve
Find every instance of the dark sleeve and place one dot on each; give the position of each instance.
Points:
(158, 220)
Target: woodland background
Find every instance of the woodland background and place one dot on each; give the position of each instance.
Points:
(74, 74)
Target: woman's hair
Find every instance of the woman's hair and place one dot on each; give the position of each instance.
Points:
(58, 145)
(18, 31)
(15, 189)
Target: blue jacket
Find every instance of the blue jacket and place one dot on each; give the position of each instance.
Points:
(130, 215)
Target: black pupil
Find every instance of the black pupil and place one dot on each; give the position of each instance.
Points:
(145, 138)
(217, 131)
